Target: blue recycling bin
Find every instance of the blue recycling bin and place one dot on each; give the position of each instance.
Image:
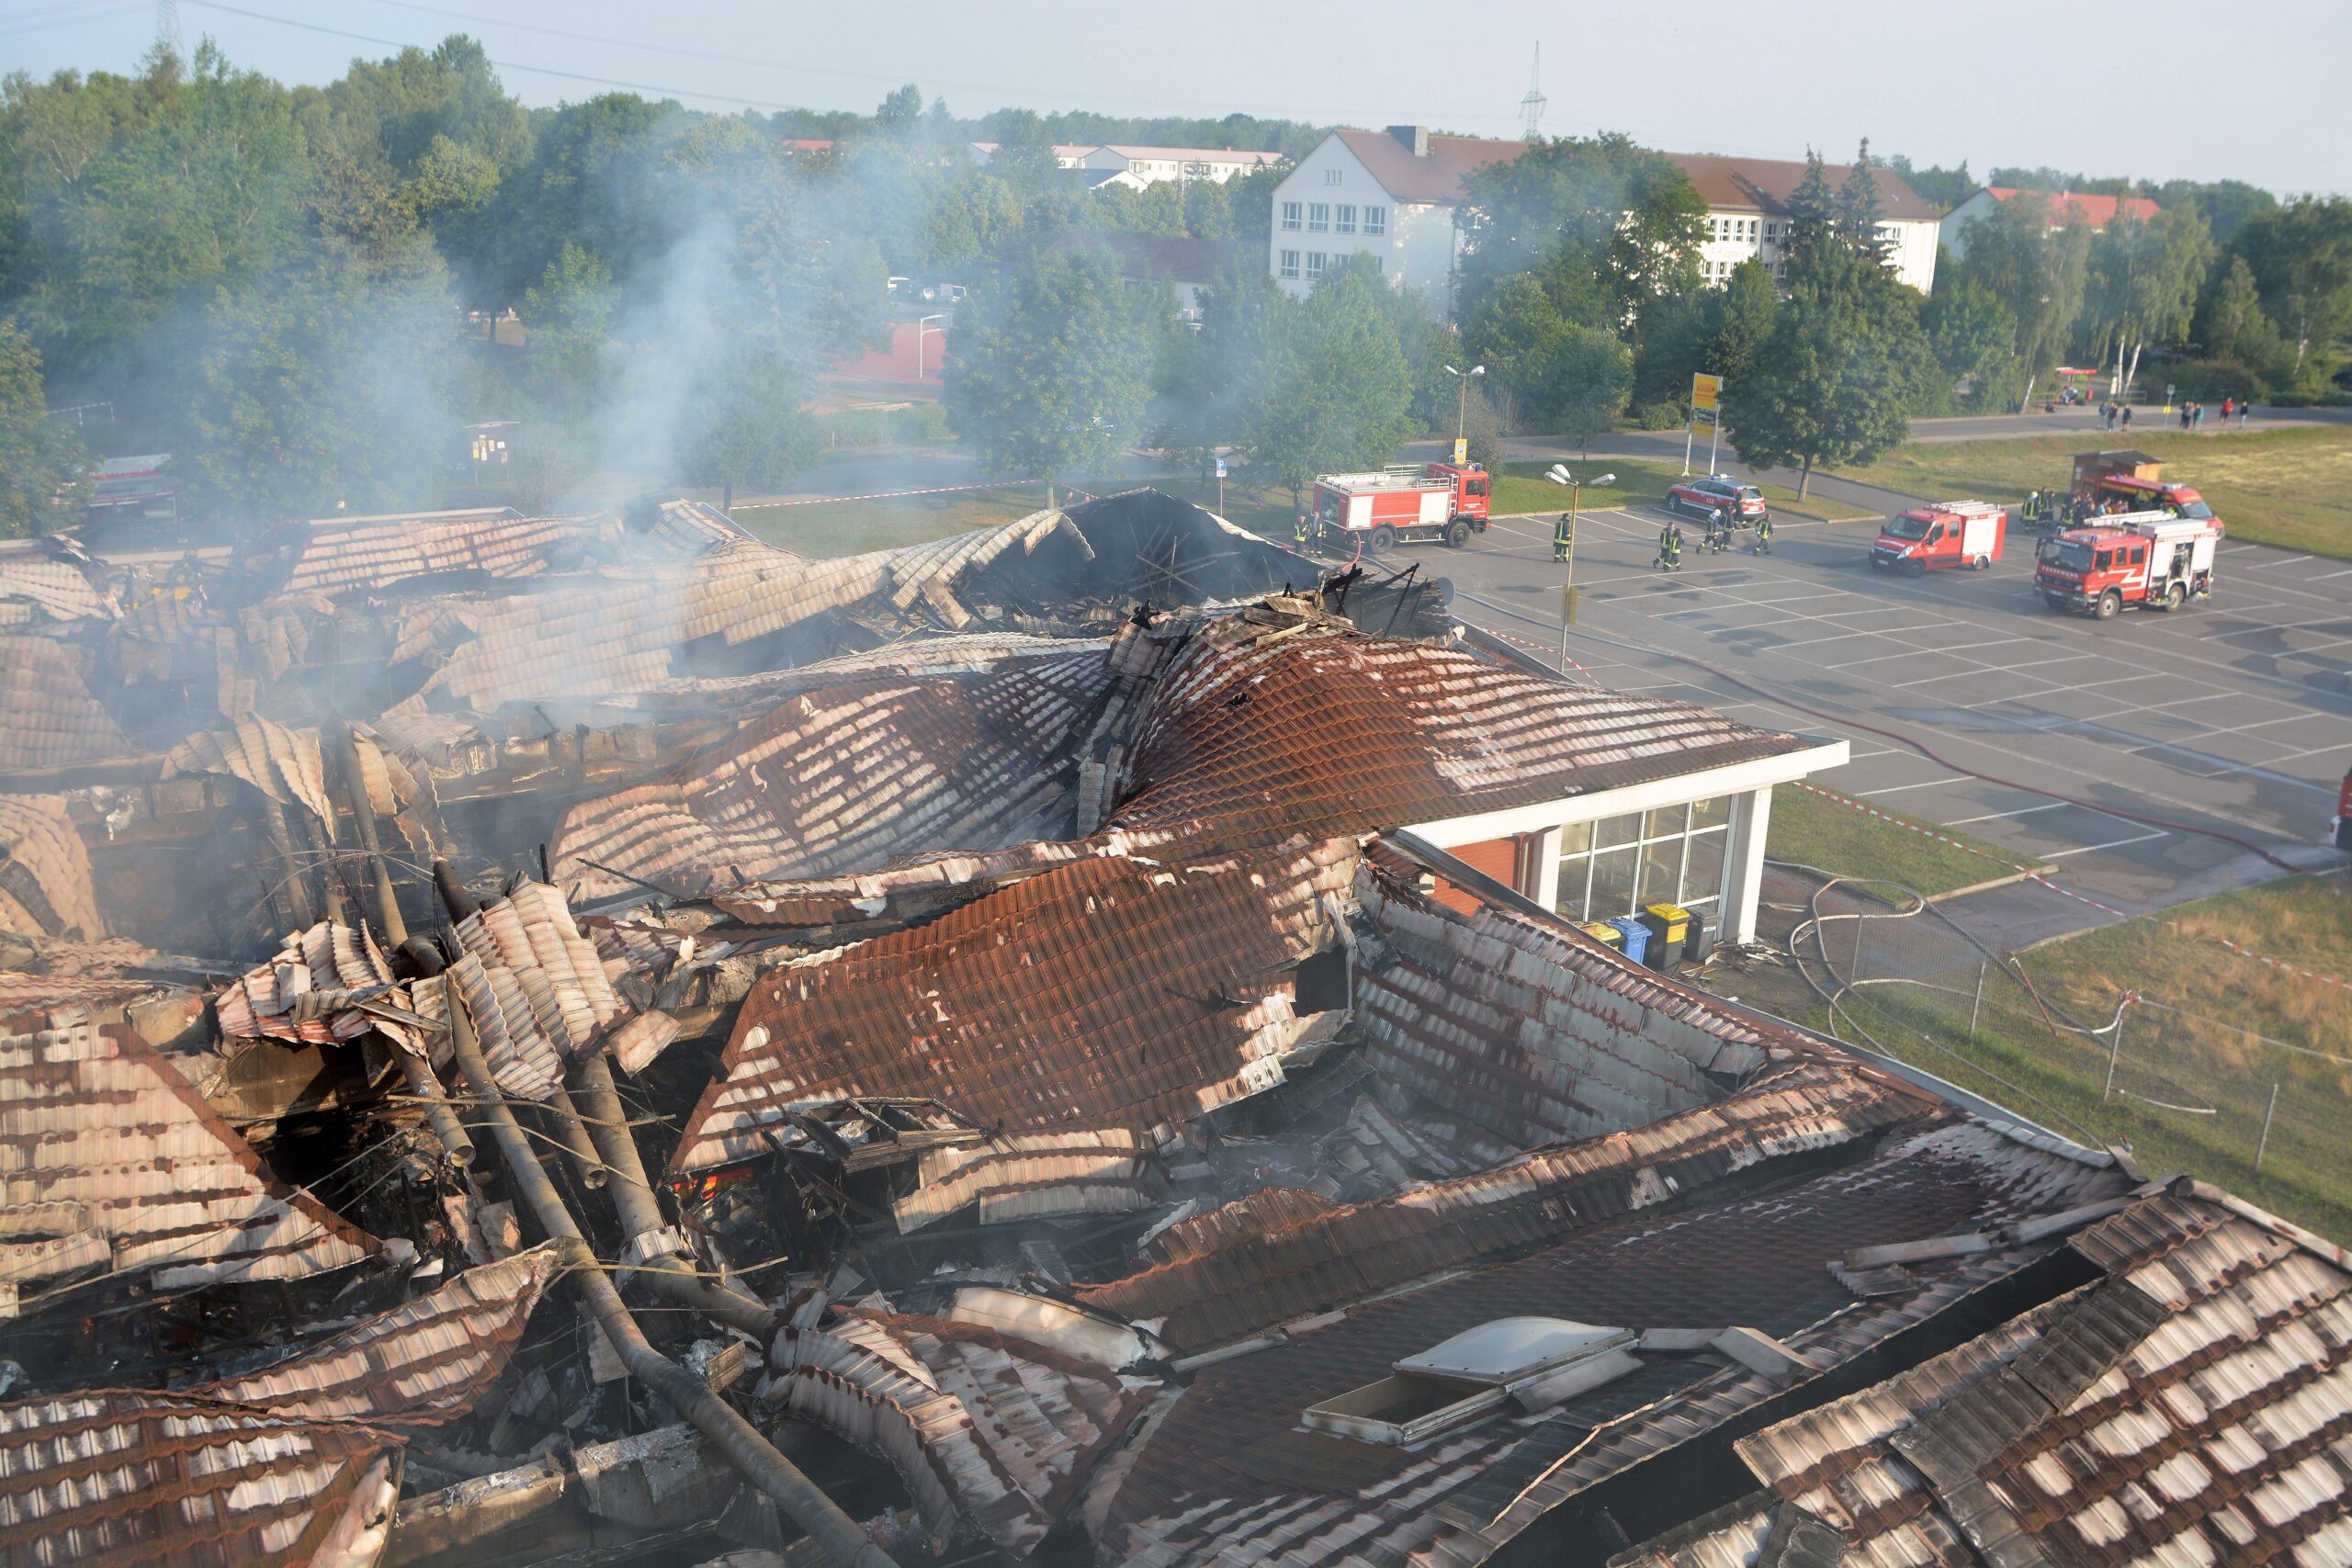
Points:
(1637, 937)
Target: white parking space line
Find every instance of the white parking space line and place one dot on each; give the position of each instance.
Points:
(2323, 576)
(2267, 565)
(1998, 816)
(1924, 783)
(2117, 844)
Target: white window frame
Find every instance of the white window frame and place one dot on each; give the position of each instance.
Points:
(1343, 219)
(1375, 222)
(1316, 261)
(1318, 217)
(1289, 266)
(1292, 211)
(1574, 898)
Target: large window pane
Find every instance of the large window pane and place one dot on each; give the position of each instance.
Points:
(1612, 884)
(1665, 822)
(1615, 830)
(1661, 872)
(1574, 873)
(1710, 813)
(1702, 869)
(1575, 837)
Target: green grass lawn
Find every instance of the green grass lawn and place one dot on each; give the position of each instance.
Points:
(1811, 829)
(852, 527)
(2195, 1075)
(2289, 488)
(848, 527)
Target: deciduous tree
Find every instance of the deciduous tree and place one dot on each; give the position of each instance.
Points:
(1834, 381)
(1051, 370)
(43, 476)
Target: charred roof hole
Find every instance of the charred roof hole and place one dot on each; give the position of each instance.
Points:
(1321, 984)
(1528, 1363)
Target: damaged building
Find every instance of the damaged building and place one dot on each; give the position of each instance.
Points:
(597, 1039)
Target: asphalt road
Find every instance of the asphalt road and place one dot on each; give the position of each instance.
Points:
(2234, 718)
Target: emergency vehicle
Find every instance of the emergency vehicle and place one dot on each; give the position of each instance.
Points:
(1938, 537)
(2150, 558)
(1742, 505)
(2343, 823)
(1405, 503)
(2139, 495)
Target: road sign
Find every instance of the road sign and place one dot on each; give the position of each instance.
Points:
(1220, 468)
(1705, 391)
(1461, 450)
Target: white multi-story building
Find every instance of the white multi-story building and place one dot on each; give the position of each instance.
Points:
(1150, 165)
(1391, 195)
(1747, 215)
(2066, 207)
(1396, 196)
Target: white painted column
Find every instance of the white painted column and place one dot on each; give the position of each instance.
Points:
(1543, 886)
(1752, 821)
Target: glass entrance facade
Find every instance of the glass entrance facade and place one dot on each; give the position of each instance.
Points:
(1671, 855)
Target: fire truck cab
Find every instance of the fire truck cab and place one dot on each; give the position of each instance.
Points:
(1403, 504)
(2137, 495)
(1938, 537)
(2149, 559)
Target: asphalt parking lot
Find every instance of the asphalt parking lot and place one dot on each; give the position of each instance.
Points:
(2234, 717)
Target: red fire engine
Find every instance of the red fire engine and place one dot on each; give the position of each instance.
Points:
(1404, 502)
(2138, 495)
(1936, 538)
(2150, 558)
(2344, 816)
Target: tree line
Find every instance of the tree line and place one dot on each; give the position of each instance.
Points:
(298, 291)
(304, 293)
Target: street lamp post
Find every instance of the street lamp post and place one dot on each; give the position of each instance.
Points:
(1462, 408)
(1558, 474)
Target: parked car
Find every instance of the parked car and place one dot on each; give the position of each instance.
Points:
(1742, 505)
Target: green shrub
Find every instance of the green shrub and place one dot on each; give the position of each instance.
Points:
(1656, 416)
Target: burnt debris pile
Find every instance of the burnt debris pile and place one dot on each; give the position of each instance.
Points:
(599, 1039)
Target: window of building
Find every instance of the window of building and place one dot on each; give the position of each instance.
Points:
(1375, 220)
(1377, 267)
(1331, 176)
(1314, 260)
(1343, 220)
(1672, 855)
(1290, 263)
(1318, 217)
(1290, 214)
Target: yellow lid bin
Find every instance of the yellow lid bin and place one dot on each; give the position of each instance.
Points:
(1602, 932)
(1670, 929)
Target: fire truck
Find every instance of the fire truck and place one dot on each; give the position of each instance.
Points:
(2149, 559)
(1405, 503)
(1938, 537)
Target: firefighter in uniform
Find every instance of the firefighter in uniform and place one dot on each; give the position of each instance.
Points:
(2034, 506)
(1718, 531)
(1763, 546)
(1560, 538)
(1298, 532)
(1670, 549)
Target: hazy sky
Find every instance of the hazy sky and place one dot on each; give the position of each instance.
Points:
(2150, 88)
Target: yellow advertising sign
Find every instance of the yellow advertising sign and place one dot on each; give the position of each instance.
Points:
(1461, 451)
(1704, 392)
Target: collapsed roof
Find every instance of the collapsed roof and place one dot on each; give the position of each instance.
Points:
(662, 1000)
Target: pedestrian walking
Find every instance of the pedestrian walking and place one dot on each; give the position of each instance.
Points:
(2244, 408)
(2228, 406)
(2127, 416)
(1561, 537)
(1670, 549)
(2184, 414)
(1763, 546)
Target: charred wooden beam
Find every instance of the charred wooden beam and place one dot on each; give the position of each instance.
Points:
(743, 1444)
